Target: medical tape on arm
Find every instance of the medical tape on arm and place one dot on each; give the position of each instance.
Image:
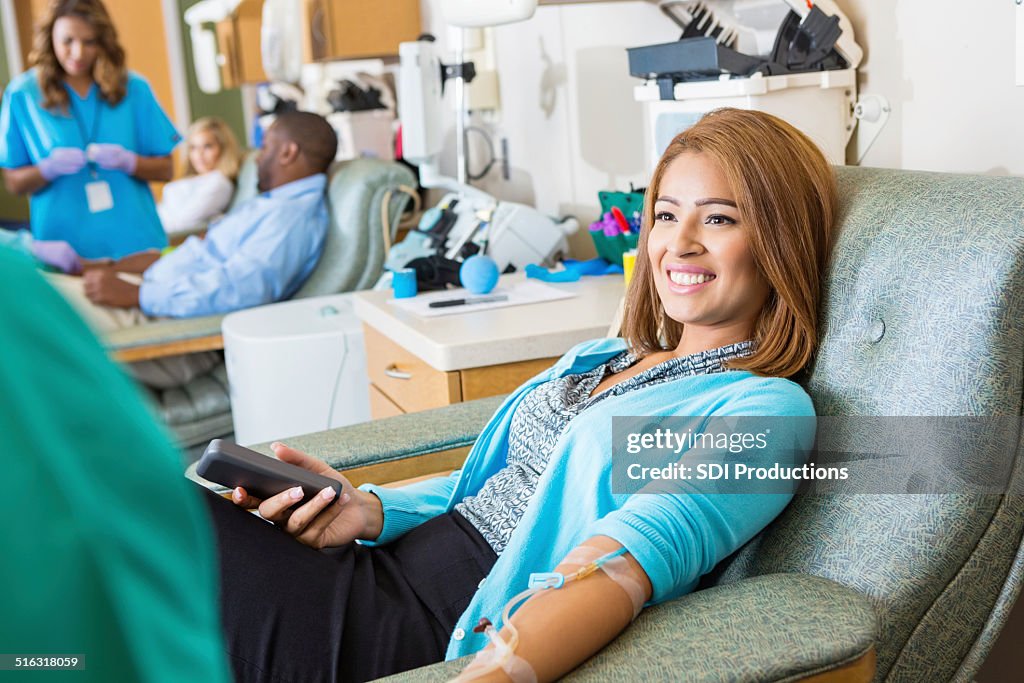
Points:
(502, 654)
(618, 570)
(514, 666)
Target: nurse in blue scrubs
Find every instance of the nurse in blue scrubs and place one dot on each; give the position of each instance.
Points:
(83, 137)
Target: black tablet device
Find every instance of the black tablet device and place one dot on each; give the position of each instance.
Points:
(260, 475)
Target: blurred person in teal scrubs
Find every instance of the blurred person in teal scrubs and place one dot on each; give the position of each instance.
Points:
(107, 552)
(83, 136)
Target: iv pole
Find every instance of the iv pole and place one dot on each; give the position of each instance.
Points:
(459, 42)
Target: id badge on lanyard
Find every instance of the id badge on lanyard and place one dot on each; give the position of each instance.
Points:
(98, 195)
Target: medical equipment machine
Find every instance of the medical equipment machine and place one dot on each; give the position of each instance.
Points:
(791, 58)
(281, 40)
(515, 235)
(296, 367)
(804, 37)
(205, 54)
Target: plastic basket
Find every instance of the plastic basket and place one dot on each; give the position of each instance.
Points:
(611, 249)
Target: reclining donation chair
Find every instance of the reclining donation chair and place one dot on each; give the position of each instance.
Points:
(365, 198)
(923, 317)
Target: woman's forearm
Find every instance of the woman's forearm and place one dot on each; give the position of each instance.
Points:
(560, 628)
(158, 169)
(24, 180)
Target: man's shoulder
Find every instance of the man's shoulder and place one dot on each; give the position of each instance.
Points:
(312, 187)
(267, 213)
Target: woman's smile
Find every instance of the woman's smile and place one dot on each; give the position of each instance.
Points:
(684, 279)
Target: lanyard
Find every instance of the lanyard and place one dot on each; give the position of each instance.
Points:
(87, 139)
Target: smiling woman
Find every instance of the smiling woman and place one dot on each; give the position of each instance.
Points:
(699, 255)
(739, 212)
(722, 309)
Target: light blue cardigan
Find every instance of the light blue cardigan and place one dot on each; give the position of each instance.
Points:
(676, 538)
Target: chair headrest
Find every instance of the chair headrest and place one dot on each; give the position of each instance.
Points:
(925, 296)
(353, 254)
(922, 315)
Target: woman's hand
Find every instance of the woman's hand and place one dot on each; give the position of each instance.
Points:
(58, 254)
(320, 522)
(62, 161)
(106, 287)
(113, 157)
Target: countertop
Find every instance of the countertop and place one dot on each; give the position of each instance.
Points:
(500, 335)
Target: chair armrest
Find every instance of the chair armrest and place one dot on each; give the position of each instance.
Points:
(779, 627)
(165, 338)
(399, 447)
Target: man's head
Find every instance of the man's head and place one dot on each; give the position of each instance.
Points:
(297, 145)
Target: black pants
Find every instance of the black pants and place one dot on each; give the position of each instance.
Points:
(354, 613)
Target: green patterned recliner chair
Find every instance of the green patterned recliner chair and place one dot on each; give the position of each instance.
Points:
(352, 259)
(923, 317)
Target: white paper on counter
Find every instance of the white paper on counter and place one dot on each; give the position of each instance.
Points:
(529, 291)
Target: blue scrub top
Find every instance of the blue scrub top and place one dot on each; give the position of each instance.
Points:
(60, 211)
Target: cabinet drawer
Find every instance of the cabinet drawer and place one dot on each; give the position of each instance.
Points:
(381, 405)
(405, 379)
(491, 380)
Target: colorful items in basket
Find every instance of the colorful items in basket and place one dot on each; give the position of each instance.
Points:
(615, 233)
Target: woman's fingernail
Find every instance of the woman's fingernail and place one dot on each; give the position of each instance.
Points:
(345, 498)
(275, 445)
(327, 493)
(237, 495)
(295, 493)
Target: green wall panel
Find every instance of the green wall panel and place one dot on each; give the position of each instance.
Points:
(12, 208)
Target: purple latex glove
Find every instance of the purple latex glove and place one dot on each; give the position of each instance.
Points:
(58, 254)
(62, 161)
(113, 157)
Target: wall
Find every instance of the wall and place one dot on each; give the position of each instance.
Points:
(573, 128)
(948, 71)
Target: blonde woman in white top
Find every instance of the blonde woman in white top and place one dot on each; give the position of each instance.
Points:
(209, 183)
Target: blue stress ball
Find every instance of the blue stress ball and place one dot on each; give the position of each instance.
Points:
(479, 274)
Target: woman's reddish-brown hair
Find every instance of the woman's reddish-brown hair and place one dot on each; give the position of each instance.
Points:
(786, 194)
(109, 71)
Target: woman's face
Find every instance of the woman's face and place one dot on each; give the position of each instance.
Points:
(203, 151)
(75, 45)
(700, 258)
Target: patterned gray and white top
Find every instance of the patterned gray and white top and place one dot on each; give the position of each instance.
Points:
(544, 414)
